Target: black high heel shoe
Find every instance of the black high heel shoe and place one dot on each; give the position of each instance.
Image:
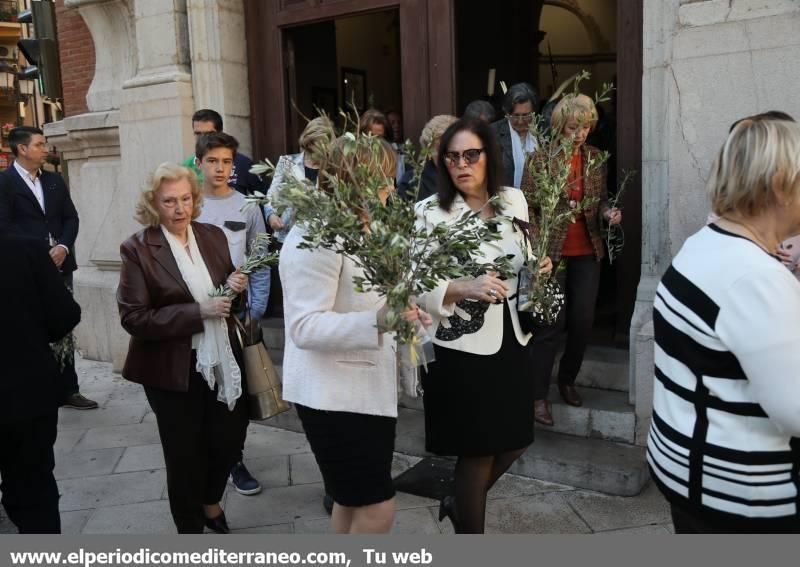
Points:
(447, 509)
(218, 524)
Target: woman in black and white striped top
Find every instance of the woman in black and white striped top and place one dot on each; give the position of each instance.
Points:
(723, 445)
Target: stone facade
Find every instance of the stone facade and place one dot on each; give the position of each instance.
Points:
(139, 106)
(706, 63)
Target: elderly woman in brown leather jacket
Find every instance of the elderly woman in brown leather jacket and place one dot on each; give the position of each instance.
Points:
(183, 347)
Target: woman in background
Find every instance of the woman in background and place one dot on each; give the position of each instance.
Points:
(579, 247)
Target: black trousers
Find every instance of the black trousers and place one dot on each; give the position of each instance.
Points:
(201, 440)
(275, 302)
(30, 494)
(687, 523)
(580, 281)
(69, 378)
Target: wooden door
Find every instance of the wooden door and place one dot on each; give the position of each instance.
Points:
(630, 27)
(426, 37)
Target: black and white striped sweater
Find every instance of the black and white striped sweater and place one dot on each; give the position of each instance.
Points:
(726, 405)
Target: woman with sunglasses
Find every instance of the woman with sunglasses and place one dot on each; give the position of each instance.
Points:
(513, 131)
(579, 245)
(478, 392)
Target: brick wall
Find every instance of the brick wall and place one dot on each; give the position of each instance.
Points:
(76, 51)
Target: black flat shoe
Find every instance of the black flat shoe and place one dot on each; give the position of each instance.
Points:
(447, 509)
(218, 524)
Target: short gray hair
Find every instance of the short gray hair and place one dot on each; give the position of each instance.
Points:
(146, 208)
(478, 109)
(519, 94)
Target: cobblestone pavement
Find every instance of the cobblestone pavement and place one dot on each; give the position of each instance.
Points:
(111, 476)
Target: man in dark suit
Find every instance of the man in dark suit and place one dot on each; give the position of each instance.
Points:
(38, 310)
(512, 133)
(36, 204)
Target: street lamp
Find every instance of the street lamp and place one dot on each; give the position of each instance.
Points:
(26, 86)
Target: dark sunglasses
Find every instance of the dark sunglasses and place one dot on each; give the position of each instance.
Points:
(521, 117)
(470, 157)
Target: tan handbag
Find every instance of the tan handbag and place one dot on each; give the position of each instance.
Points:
(264, 392)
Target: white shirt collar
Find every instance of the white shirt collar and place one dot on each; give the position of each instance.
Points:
(25, 174)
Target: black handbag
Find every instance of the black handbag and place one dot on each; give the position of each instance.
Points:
(550, 298)
(544, 313)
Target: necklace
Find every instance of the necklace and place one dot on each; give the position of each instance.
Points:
(574, 191)
(756, 238)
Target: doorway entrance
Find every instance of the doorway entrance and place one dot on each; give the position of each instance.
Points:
(438, 59)
(544, 43)
(341, 63)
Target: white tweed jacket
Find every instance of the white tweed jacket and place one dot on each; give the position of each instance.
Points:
(486, 335)
(334, 358)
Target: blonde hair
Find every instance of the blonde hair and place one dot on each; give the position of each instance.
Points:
(756, 155)
(346, 162)
(433, 130)
(146, 210)
(578, 106)
(317, 134)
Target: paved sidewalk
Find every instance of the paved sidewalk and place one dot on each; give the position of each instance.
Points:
(111, 475)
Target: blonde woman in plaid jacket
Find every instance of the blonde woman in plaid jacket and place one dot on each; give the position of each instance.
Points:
(579, 246)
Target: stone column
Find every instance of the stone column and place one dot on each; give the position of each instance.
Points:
(706, 64)
(140, 106)
(219, 64)
(658, 101)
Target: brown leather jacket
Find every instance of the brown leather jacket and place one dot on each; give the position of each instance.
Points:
(157, 309)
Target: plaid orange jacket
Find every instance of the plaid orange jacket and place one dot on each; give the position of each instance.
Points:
(594, 185)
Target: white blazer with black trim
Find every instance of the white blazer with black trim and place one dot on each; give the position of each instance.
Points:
(458, 326)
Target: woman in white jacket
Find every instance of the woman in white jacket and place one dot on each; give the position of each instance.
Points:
(478, 394)
(339, 368)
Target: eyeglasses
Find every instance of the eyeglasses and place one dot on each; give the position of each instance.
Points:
(38, 145)
(453, 159)
(527, 117)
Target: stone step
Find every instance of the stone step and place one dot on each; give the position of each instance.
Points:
(604, 466)
(594, 464)
(603, 367)
(275, 355)
(605, 414)
(272, 332)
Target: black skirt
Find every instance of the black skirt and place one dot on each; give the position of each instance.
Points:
(479, 405)
(354, 452)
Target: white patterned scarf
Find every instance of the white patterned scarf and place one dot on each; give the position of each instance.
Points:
(215, 360)
(520, 153)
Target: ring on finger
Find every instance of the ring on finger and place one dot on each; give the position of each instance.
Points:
(493, 292)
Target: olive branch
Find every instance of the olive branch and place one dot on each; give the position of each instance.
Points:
(398, 258)
(260, 258)
(614, 235)
(549, 168)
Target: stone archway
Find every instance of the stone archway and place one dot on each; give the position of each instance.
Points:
(599, 42)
